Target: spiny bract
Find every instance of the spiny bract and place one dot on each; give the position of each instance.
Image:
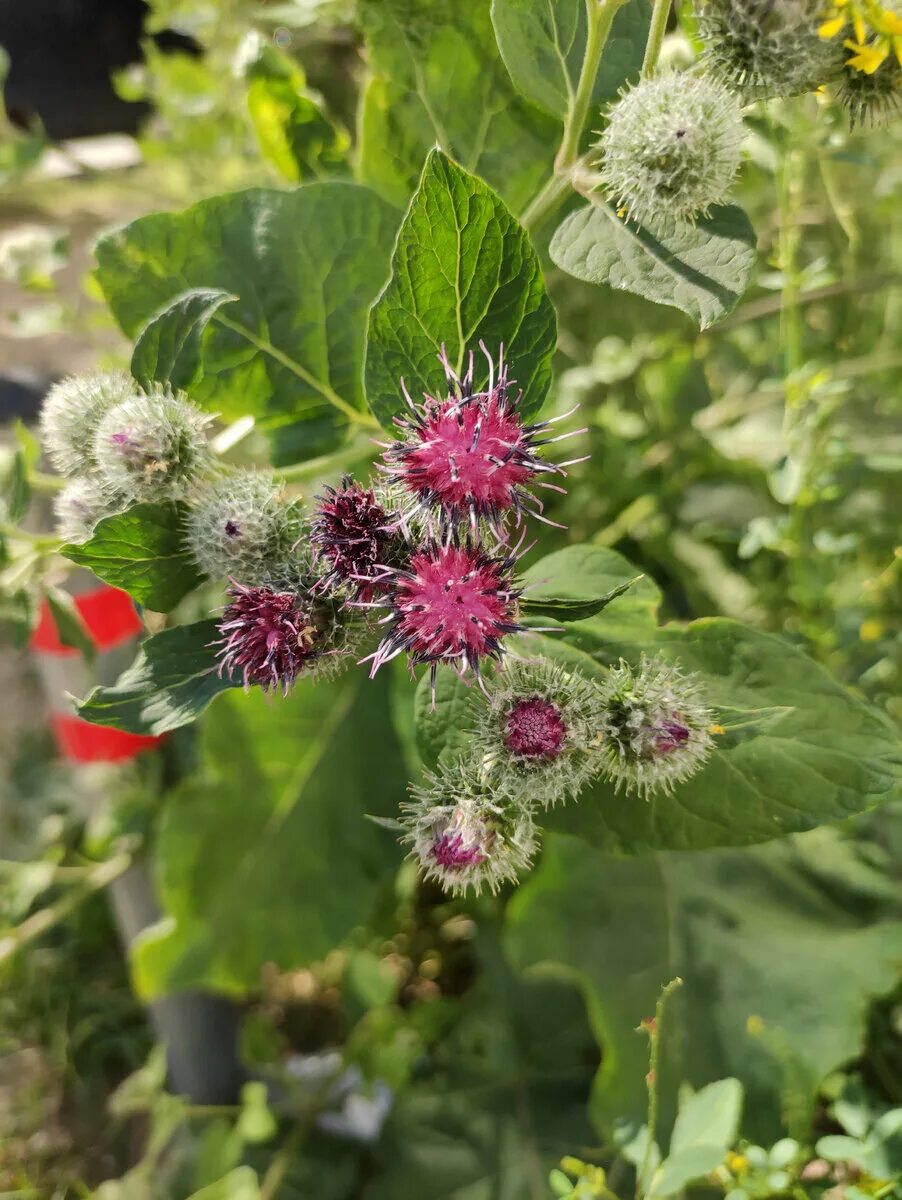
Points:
(71, 413)
(465, 836)
(671, 149)
(151, 446)
(656, 727)
(240, 527)
(539, 730)
(763, 48)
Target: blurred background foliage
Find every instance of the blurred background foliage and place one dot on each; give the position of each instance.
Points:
(751, 470)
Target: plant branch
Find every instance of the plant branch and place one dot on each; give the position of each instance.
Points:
(600, 16)
(653, 1029)
(656, 31)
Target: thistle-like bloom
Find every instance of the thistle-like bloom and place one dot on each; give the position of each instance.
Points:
(471, 457)
(239, 526)
(763, 48)
(870, 98)
(71, 413)
(78, 508)
(656, 727)
(270, 637)
(539, 732)
(151, 445)
(671, 149)
(452, 604)
(465, 836)
(356, 539)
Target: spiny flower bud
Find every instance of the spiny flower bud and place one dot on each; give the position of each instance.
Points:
(79, 506)
(463, 835)
(763, 48)
(655, 727)
(271, 637)
(539, 731)
(151, 445)
(453, 604)
(239, 526)
(671, 149)
(71, 413)
(356, 540)
(870, 99)
(470, 457)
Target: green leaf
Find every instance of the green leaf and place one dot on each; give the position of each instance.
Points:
(543, 43)
(142, 551)
(239, 1184)
(169, 348)
(702, 269)
(760, 930)
(814, 755)
(170, 683)
(684, 1166)
(437, 79)
(305, 266)
(70, 625)
(442, 728)
(265, 856)
(16, 488)
(294, 133)
(709, 1117)
(565, 609)
(463, 270)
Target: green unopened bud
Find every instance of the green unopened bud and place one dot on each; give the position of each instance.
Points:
(240, 527)
(71, 413)
(79, 506)
(671, 149)
(870, 99)
(151, 446)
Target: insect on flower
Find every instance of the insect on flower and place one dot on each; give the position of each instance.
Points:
(471, 457)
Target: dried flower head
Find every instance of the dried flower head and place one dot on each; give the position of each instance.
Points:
(239, 526)
(538, 732)
(452, 604)
(356, 539)
(151, 445)
(465, 836)
(78, 508)
(271, 637)
(655, 727)
(71, 413)
(671, 149)
(470, 457)
(763, 48)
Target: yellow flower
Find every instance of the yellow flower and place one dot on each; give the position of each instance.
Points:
(868, 57)
(877, 30)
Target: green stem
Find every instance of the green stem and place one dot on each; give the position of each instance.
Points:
(42, 482)
(38, 540)
(656, 31)
(40, 922)
(600, 16)
(354, 415)
(653, 1030)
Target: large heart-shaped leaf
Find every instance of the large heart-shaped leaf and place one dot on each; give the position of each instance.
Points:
(702, 269)
(305, 266)
(265, 855)
(169, 348)
(543, 43)
(463, 270)
(142, 551)
(755, 936)
(437, 78)
(170, 683)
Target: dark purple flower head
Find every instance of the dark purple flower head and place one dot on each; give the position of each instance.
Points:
(453, 604)
(354, 536)
(268, 637)
(453, 852)
(535, 728)
(471, 456)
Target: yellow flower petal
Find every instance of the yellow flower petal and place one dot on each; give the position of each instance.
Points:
(866, 59)
(832, 27)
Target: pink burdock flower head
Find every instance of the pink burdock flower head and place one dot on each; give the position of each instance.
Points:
(355, 538)
(470, 456)
(656, 726)
(463, 833)
(454, 604)
(268, 637)
(537, 730)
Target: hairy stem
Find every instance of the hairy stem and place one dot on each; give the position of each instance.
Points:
(659, 15)
(600, 16)
(653, 1030)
